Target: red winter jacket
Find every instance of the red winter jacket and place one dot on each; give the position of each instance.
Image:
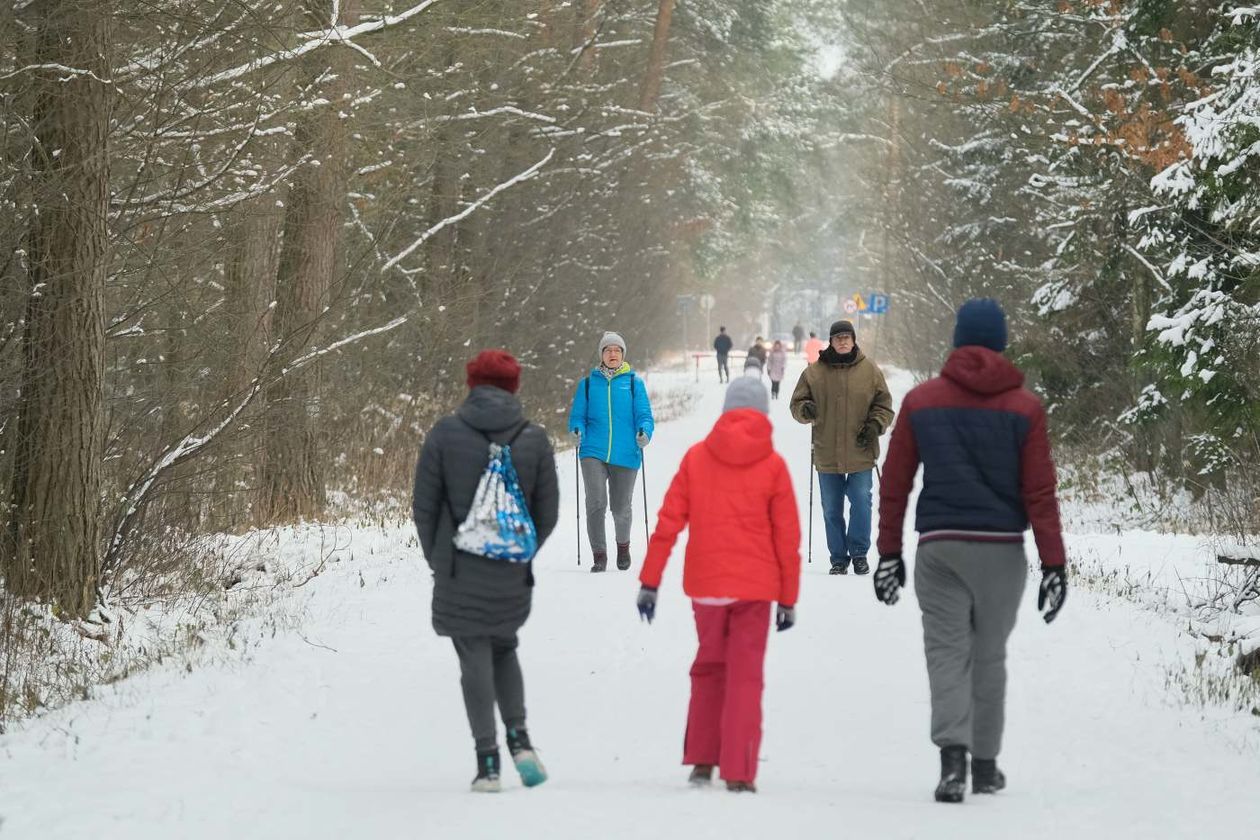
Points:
(733, 491)
(987, 471)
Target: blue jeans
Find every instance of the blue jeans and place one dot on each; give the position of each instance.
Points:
(856, 540)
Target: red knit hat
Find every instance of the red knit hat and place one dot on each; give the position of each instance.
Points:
(494, 367)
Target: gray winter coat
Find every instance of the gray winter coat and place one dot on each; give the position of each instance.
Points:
(473, 595)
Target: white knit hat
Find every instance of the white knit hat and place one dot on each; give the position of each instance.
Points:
(611, 339)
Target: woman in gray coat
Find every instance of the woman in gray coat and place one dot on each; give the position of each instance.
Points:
(479, 602)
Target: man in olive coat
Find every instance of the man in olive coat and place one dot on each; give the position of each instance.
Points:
(844, 396)
(480, 602)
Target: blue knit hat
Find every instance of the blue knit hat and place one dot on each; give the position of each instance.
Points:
(981, 321)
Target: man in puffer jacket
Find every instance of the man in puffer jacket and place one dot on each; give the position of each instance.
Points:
(481, 602)
(612, 419)
(987, 474)
(733, 492)
(844, 396)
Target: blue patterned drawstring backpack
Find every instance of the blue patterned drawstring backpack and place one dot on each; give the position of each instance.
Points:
(498, 524)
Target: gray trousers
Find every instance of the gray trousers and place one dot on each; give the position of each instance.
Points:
(969, 593)
(600, 482)
(490, 672)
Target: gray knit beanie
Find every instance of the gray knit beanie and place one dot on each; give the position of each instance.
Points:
(611, 339)
(746, 392)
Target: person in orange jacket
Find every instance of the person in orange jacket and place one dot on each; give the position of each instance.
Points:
(733, 491)
(813, 347)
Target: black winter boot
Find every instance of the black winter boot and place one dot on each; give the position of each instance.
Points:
(701, 775)
(953, 774)
(839, 567)
(600, 563)
(487, 779)
(985, 776)
(623, 556)
(859, 566)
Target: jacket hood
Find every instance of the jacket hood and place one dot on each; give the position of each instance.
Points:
(829, 356)
(740, 437)
(491, 409)
(982, 370)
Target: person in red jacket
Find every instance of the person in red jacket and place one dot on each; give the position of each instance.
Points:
(987, 475)
(733, 491)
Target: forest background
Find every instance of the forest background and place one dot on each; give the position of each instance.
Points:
(246, 247)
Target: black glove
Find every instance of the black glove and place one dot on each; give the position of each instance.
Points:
(890, 576)
(647, 604)
(866, 434)
(1053, 592)
(809, 411)
(784, 618)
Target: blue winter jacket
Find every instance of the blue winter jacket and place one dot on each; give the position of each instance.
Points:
(609, 418)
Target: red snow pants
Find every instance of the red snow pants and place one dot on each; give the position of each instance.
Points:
(724, 719)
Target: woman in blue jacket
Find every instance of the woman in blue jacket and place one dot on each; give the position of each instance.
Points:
(612, 420)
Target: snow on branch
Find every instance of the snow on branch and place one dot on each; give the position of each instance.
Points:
(136, 494)
(464, 30)
(1152, 269)
(469, 210)
(1118, 42)
(176, 195)
(317, 40)
(69, 72)
(1078, 107)
(837, 139)
(474, 114)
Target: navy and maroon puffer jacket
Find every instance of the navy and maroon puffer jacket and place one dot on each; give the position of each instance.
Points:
(987, 471)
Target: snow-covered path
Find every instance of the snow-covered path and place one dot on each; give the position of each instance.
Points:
(355, 726)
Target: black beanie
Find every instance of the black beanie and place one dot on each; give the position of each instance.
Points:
(841, 327)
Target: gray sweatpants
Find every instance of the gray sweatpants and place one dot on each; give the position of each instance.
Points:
(969, 593)
(600, 481)
(490, 671)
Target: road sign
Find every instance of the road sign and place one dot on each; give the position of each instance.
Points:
(878, 303)
(706, 302)
(850, 306)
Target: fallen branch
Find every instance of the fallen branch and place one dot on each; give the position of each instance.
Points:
(1237, 561)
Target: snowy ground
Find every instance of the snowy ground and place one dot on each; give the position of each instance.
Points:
(353, 725)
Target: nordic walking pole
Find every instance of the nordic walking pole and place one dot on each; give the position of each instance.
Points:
(811, 504)
(646, 536)
(577, 501)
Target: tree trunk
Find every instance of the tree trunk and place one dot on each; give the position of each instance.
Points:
(584, 33)
(655, 74)
(546, 19)
(292, 485)
(249, 289)
(52, 547)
